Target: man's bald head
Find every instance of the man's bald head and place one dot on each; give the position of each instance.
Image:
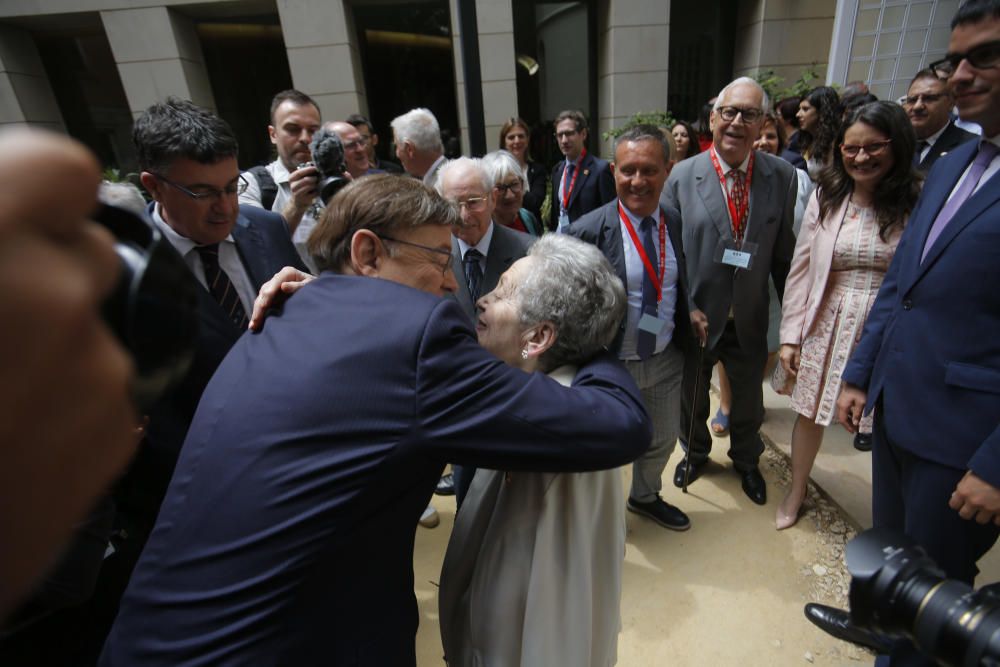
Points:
(355, 147)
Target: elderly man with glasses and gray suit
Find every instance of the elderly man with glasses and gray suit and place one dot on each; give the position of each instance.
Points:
(736, 207)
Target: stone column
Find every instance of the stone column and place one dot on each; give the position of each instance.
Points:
(633, 48)
(786, 36)
(323, 55)
(26, 96)
(495, 21)
(158, 54)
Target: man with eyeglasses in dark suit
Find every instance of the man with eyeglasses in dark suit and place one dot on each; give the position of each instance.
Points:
(928, 104)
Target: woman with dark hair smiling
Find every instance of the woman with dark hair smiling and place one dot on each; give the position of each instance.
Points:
(848, 237)
(515, 138)
(686, 140)
(819, 119)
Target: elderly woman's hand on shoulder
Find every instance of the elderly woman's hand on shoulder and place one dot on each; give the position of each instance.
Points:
(274, 292)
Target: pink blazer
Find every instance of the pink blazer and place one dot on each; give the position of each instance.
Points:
(810, 270)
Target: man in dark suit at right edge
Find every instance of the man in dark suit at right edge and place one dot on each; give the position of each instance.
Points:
(928, 362)
(928, 104)
(581, 182)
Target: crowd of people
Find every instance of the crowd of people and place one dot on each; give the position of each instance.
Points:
(534, 328)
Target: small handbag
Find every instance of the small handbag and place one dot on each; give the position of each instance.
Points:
(781, 381)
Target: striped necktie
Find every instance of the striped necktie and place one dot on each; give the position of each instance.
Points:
(646, 341)
(473, 272)
(220, 286)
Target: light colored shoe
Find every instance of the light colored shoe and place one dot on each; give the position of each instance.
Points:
(430, 518)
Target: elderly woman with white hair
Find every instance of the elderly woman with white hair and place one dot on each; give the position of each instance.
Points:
(510, 182)
(532, 575)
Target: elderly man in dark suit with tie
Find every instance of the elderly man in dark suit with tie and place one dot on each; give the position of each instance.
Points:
(642, 240)
(928, 104)
(581, 182)
(736, 207)
(481, 250)
(928, 362)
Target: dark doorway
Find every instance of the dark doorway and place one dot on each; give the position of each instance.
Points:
(407, 60)
(702, 42)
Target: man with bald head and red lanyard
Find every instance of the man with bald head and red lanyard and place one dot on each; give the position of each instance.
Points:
(736, 207)
(642, 240)
(581, 182)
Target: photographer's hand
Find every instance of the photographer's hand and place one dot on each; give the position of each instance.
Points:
(272, 293)
(975, 498)
(303, 185)
(68, 426)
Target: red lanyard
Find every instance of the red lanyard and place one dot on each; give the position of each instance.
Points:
(657, 283)
(738, 218)
(576, 172)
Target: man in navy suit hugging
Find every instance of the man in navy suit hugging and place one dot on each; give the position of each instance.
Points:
(286, 536)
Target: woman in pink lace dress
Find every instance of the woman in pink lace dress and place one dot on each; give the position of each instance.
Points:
(849, 234)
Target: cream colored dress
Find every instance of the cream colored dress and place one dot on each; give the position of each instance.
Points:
(532, 574)
(860, 260)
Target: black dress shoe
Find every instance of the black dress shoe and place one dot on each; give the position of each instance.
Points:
(446, 485)
(662, 513)
(696, 470)
(837, 623)
(863, 442)
(754, 486)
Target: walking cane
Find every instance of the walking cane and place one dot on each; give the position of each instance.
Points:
(694, 402)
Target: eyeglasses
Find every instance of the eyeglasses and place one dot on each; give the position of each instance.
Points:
(749, 115)
(566, 134)
(351, 145)
(205, 193)
(871, 150)
(474, 204)
(984, 56)
(445, 267)
(912, 100)
(514, 188)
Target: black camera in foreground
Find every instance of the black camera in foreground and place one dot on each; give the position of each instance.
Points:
(898, 592)
(153, 309)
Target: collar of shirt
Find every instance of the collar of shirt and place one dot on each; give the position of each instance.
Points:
(931, 140)
(279, 172)
(181, 244)
(483, 246)
(742, 166)
(636, 220)
(431, 174)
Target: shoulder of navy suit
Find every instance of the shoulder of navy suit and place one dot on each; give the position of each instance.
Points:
(588, 226)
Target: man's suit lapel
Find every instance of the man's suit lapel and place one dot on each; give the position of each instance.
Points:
(252, 249)
(707, 185)
(615, 244)
(762, 194)
(500, 257)
(987, 196)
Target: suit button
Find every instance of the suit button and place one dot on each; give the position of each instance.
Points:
(907, 304)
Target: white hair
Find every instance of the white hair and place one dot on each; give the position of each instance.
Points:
(122, 195)
(571, 284)
(420, 128)
(501, 165)
(461, 165)
(765, 102)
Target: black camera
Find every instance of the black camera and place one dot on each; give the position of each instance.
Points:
(153, 308)
(899, 592)
(328, 158)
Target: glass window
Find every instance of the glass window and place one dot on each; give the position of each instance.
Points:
(920, 14)
(867, 21)
(884, 69)
(864, 46)
(859, 70)
(888, 44)
(914, 40)
(892, 18)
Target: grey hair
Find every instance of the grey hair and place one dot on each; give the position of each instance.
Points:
(420, 128)
(461, 164)
(501, 165)
(644, 132)
(123, 195)
(765, 102)
(572, 285)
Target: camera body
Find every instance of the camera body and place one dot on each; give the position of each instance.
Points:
(899, 592)
(328, 158)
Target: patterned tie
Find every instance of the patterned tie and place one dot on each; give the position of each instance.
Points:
(220, 286)
(738, 195)
(473, 272)
(921, 147)
(987, 152)
(646, 342)
(567, 181)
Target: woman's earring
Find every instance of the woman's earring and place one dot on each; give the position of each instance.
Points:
(524, 353)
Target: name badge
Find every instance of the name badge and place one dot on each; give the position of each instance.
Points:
(651, 323)
(563, 221)
(737, 258)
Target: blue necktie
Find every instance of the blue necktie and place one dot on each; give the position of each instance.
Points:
(220, 286)
(473, 272)
(647, 340)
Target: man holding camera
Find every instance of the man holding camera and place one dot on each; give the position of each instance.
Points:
(283, 186)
